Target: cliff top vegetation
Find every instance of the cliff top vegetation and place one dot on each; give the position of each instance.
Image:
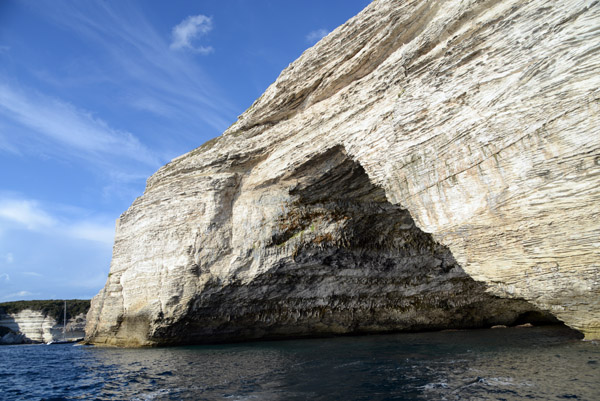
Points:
(52, 307)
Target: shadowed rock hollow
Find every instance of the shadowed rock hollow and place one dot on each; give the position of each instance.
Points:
(340, 259)
(473, 121)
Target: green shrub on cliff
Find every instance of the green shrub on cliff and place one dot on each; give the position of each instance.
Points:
(52, 307)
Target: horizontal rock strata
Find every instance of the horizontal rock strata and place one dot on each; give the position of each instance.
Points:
(429, 164)
(35, 326)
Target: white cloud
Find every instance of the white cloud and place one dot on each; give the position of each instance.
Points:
(9, 258)
(32, 274)
(315, 36)
(148, 65)
(187, 32)
(25, 212)
(17, 294)
(33, 216)
(4, 277)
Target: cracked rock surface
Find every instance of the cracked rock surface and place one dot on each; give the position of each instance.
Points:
(427, 165)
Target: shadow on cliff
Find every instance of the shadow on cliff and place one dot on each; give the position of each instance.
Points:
(348, 262)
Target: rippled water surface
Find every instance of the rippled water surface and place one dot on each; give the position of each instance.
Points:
(548, 363)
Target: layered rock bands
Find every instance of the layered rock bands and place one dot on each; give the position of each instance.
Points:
(36, 326)
(427, 165)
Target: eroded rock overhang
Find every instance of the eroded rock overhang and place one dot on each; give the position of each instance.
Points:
(479, 120)
(318, 250)
(321, 251)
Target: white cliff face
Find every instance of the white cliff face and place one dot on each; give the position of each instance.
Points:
(37, 327)
(419, 146)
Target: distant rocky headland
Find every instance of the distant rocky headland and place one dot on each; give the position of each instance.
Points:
(427, 165)
(26, 322)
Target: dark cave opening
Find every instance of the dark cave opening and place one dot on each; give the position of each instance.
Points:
(348, 262)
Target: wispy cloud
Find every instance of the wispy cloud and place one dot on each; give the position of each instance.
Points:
(4, 277)
(26, 213)
(316, 35)
(187, 33)
(148, 103)
(163, 81)
(6, 146)
(33, 274)
(8, 258)
(6, 140)
(32, 215)
(18, 294)
(70, 128)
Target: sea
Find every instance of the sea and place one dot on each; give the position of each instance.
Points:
(538, 363)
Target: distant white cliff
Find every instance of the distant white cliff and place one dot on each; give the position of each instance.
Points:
(35, 326)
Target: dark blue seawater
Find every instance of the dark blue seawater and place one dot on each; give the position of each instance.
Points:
(546, 363)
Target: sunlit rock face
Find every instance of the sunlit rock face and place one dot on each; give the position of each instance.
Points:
(36, 326)
(427, 165)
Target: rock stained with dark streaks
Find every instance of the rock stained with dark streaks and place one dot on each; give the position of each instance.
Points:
(427, 165)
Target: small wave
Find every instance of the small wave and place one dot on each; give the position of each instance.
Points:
(503, 382)
(153, 395)
(345, 365)
(434, 386)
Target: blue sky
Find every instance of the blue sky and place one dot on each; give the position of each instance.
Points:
(96, 95)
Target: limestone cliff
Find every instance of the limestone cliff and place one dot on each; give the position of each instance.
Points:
(35, 326)
(429, 164)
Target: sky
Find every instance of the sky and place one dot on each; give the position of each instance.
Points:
(95, 96)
